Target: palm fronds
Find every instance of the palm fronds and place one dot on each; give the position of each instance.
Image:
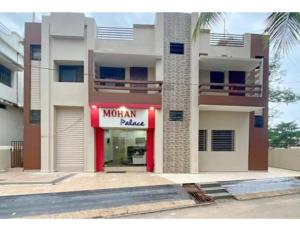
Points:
(207, 20)
(284, 31)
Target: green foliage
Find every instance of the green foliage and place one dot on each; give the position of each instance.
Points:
(284, 135)
(207, 20)
(284, 30)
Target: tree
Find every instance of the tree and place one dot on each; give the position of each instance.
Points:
(284, 135)
(282, 27)
(279, 94)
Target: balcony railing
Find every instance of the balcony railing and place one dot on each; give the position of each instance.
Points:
(251, 90)
(135, 86)
(231, 40)
(115, 33)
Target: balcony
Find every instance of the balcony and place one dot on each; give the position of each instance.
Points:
(111, 91)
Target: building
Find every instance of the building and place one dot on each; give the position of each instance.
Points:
(147, 98)
(11, 92)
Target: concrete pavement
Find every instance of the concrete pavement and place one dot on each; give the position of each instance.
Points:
(274, 207)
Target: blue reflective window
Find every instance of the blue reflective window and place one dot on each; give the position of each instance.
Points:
(259, 121)
(176, 116)
(35, 52)
(70, 73)
(5, 75)
(115, 73)
(177, 48)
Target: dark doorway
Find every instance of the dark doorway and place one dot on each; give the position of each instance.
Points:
(140, 74)
(237, 77)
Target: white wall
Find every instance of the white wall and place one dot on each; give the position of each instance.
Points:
(225, 161)
(287, 158)
(5, 158)
(11, 125)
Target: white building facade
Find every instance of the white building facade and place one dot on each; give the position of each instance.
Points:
(147, 98)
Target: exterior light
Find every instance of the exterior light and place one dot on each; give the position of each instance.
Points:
(151, 108)
(94, 106)
(123, 108)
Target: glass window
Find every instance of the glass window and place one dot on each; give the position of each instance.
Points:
(222, 140)
(35, 116)
(177, 48)
(176, 116)
(115, 73)
(35, 52)
(5, 75)
(259, 121)
(218, 78)
(202, 140)
(70, 73)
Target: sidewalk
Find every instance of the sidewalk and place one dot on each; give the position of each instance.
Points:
(203, 177)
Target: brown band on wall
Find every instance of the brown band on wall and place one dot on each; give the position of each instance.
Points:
(258, 137)
(32, 132)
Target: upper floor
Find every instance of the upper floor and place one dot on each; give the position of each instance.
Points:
(127, 65)
(11, 67)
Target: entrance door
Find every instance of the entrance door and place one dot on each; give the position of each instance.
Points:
(118, 150)
(125, 147)
(141, 74)
(237, 77)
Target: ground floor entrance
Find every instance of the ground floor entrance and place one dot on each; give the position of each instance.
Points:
(125, 147)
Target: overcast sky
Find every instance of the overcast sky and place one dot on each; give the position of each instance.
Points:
(238, 23)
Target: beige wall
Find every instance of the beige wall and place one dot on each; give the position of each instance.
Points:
(287, 158)
(225, 161)
(4, 158)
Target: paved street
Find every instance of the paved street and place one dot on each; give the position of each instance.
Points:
(275, 207)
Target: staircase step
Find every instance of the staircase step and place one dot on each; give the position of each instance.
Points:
(221, 195)
(214, 190)
(209, 185)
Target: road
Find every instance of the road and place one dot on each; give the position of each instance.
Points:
(287, 206)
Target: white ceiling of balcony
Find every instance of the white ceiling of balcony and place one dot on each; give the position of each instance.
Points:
(228, 108)
(126, 60)
(215, 63)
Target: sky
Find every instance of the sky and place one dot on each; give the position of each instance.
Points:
(235, 23)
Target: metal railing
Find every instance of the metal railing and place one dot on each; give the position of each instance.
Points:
(231, 40)
(252, 90)
(115, 33)
(136, 86)
(16, 150)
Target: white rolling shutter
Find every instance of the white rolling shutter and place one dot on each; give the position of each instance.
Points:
(69, 139)
(35, 85)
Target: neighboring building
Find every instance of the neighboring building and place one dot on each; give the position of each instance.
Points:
(147, 98)
(11, 86)
(11, 95)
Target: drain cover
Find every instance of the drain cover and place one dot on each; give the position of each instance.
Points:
(196, 193)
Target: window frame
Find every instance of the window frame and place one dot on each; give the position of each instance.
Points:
(176, 48)
(204, 141)
(79, 69)
(230, 144)
(5, 76)
(36, 113)
(258, 124)
(119, 76)
(33, 49)
(175, 118)
(211, 76)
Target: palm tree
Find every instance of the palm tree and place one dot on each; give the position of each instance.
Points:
(283, 28)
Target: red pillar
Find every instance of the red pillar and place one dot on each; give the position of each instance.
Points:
(150, 140)
(99, 149)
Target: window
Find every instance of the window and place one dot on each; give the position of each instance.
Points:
(5, 75)
(177, 48)
(176, 116)
(70, 73)
(216, 77)
(222, 140)
(35, 116)
(35, 52)
(202, 140)
(116, 73)
(259, 121)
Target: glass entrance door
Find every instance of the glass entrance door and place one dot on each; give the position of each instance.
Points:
(124, 147)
